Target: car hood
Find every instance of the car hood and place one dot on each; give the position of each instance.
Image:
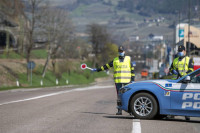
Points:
(158, 81)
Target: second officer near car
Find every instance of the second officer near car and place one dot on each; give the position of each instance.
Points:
(182, 65)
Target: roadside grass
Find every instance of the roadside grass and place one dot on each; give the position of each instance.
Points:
(81, 77)
(4, 88)
(39, 53)
(11, 55)
(73, 78)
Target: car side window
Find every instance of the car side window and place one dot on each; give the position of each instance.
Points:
(195, 78)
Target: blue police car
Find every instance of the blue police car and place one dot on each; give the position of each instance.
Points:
(151, 98)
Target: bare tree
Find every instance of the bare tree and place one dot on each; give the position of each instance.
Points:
(57, 29)
(34, 5)
(98, 37)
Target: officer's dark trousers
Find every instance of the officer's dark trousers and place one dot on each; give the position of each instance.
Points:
(118, 86)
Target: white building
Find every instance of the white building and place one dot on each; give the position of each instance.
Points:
(133, 38)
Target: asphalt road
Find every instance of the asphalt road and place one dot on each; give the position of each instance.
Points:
(78, 110)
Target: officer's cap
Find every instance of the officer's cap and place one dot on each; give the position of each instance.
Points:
(121, 49)
(181, 48)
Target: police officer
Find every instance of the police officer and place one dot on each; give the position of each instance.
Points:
(123, 72)
(182, 65)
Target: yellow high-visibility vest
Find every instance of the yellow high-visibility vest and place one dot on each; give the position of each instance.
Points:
(182, 66)
(122, 70)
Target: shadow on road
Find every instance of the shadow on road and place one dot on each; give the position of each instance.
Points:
(164, 119)
(98, 113)
(110, 115)
(179, 120)
(119, 117)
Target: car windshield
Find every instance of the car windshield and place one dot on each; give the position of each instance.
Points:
(195, 77)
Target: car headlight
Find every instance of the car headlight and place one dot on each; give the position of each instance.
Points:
(124, 89)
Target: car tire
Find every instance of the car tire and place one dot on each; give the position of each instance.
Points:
(144, 106)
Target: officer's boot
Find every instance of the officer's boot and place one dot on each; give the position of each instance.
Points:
(187, 118)
(119, 112)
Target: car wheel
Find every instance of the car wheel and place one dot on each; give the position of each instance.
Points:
(144, 106)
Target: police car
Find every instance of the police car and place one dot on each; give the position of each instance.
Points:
(151, 98)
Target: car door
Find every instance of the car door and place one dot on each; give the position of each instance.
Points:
(185, 95)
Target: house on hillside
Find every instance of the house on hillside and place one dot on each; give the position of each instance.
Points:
(133, 38)
(153, 37)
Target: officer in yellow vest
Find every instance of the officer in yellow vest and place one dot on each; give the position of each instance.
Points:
(181, 66)
(123, 71)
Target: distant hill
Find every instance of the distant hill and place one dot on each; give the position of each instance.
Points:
(121, 22)
(156, 6)
(127, 17)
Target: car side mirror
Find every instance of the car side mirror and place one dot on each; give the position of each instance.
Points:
(187, 79)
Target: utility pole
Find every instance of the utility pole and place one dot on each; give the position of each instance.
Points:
(188, 28)
(197, 10)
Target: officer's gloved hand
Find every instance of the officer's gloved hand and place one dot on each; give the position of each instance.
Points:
(175, 72)
(94, 70)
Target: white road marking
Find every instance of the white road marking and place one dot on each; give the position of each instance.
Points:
(136, 126)
(57, 93)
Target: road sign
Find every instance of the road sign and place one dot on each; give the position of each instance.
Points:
(181, 33)
(196, 63)
(166, 70)
(134, 63)
(31, 65)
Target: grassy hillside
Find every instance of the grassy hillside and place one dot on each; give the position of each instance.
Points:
(67, 72)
